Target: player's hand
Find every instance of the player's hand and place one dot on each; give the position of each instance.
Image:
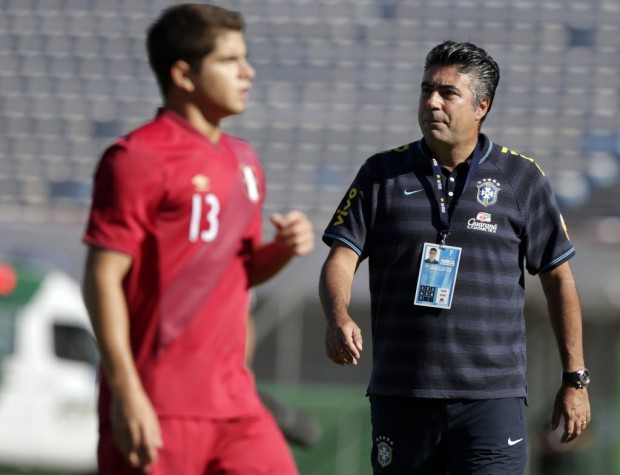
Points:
(343, 341)
(574, 405)
(294, 232)
(136, 429)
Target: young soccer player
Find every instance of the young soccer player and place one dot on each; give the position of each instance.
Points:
(174, 243)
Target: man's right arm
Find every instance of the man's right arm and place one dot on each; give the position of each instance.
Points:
(343, 338)
(134, 422)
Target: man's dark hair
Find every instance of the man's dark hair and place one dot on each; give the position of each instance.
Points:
(186, 32)
(468, 59)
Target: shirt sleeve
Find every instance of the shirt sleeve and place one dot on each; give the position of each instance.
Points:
(254, 230)
(253, 177)
(351, 221)
(254, 182)
(547, 244)
(124, 192)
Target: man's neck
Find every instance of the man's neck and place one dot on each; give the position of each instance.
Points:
(209, 128)
(450, 156)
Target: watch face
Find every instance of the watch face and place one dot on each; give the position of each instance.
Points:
(585, 378)
(580, 379)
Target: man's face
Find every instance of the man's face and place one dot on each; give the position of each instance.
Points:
(432, 254)
(446, 111)
(223, 82)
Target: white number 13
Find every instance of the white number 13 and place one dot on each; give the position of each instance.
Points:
(212, 218)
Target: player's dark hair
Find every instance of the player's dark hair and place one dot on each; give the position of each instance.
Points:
(186, 32)
(469, 59)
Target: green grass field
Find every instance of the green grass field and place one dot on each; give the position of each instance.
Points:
(344, 448)
(344, 414)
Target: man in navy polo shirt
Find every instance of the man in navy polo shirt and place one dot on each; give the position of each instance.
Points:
(448, 387)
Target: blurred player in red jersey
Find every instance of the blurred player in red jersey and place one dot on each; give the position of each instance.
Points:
(174, 243)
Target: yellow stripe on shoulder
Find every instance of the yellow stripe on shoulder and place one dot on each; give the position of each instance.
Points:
(512, 152)
(401, 149)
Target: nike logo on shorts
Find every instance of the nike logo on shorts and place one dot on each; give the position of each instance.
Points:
(514, 442)
(412, 192)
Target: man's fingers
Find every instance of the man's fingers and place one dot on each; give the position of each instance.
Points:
(290, 221)
(151, 443)
(127, 439)
(294, 231)
(134, 458)
(295, 216)
(277, 220)
(357, 339)
(140, 445)
(574, 428)
(344, 344)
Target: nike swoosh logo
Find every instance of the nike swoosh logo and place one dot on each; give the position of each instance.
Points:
(412, 192)
(514, 442)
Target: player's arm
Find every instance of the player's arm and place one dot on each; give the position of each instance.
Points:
(134, 422)
(294, 237)
(343, 338)
(565, 313)
(250, 340)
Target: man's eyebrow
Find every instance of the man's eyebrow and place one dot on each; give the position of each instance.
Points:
(437, 85)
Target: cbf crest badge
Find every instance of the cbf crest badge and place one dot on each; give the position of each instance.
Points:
(487, 191)
(385, 446)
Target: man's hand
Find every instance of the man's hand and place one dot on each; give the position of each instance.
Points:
(294, 232)
(136, 429)
(343, 342)
(574, 405)
(294, 237)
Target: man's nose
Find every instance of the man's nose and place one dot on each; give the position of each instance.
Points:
(248, 70)
(433, 100)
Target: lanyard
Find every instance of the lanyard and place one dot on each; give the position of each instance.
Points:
(440, 191)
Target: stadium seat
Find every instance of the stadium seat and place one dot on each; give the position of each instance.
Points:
(340, 75)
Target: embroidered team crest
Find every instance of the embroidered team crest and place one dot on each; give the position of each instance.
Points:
(487, 191)
(251, 183)
(384, 450)
(201, 183)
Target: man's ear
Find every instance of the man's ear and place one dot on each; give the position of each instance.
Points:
(180, 73)
(483, 109)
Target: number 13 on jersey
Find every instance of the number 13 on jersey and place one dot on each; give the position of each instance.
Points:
(204, 222)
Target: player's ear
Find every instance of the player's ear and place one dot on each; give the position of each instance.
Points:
(181, 76)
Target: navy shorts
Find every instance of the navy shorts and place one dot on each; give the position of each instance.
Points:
(414, 436)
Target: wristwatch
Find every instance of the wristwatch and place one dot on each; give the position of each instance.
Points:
(578, 379)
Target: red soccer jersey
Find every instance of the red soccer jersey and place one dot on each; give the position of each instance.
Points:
(188, 212)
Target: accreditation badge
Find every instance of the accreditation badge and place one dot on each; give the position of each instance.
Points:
(437, 277)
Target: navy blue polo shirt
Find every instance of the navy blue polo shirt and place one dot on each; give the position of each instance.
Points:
(505, 221)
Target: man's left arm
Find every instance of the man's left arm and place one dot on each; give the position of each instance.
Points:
(294, 237)
(565, 313)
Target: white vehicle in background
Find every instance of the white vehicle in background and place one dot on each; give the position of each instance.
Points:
(48, 368)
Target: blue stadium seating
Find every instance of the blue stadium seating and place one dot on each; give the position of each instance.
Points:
(337, 80)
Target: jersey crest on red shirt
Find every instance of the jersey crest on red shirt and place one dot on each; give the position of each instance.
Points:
(201, 183)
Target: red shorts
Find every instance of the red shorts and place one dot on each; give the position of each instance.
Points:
(245, 446)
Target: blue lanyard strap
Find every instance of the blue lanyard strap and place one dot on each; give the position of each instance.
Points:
(440, 190)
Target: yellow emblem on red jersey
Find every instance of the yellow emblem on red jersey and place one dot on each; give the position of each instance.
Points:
(201, 183)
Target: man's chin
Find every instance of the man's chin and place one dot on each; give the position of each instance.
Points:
(435, 135)
(235, 111)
